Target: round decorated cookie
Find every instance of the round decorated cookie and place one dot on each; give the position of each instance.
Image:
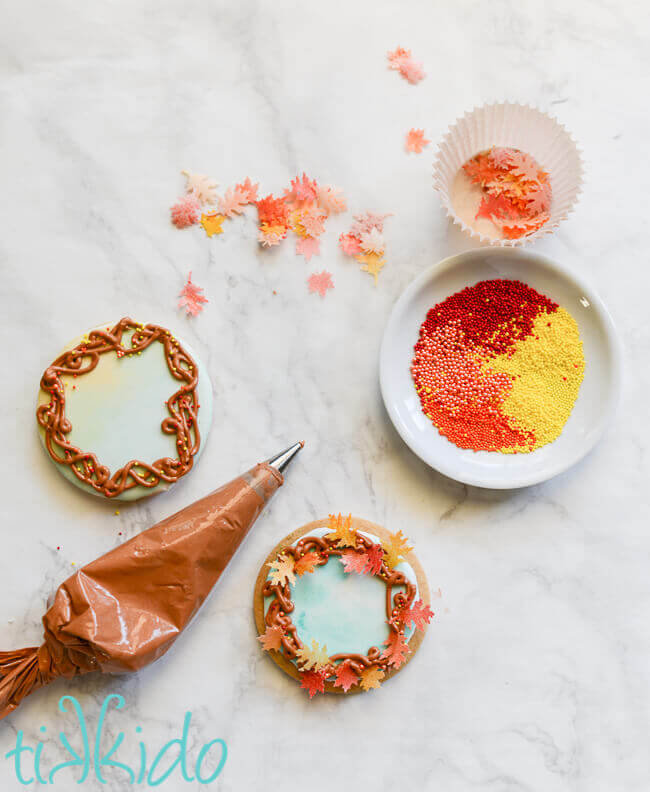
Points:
(341, 605)
(124, 410)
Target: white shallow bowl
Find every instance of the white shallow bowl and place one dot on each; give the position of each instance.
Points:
(594, 407)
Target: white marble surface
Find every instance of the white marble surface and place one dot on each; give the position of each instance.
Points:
(535, 672)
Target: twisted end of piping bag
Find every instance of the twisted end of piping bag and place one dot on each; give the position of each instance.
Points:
(125, 609)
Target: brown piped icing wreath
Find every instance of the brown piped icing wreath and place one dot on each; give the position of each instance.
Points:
(183, 407)
(317, 671)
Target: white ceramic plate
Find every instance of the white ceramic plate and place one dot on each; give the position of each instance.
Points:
(594, 407)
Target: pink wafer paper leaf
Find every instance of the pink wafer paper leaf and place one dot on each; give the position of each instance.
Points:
(320, 282)
(185, 212)
(415, 140)
(349, 244)
(191, 298)
(308, 247)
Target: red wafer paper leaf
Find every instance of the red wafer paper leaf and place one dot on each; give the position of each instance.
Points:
(313, 681)
(185, 212)
(271, 638)
(397, 649)
(346, 676)
(419, 614)
(495, 206)
(354, 561)
(375, 555)
(415, 140)
(306, 563)
(273, 211)
(191, 298)
(320, 282)
(371, 677)
(350, 245)
(308, 247)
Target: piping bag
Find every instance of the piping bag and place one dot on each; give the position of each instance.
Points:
(124, 610)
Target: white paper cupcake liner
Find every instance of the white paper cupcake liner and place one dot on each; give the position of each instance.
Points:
(517, 126)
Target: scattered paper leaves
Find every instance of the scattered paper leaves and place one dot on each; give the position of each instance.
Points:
(314, 657)
(415, 141)
(212, 223)
(396, 547)
(346, 676)
(320, 282)
(341, 530)
(372, 241)
(282, 570)
(185, 212)
(306, 563)
(516, 190)
(271, 638)
(396, 650)
(402, 61)
(191, 298)
(371, 677)
(313, 681)
(365, 242)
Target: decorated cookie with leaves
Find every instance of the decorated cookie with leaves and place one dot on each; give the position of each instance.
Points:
(341, 605)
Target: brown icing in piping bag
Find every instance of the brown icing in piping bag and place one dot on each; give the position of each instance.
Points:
(124, 610)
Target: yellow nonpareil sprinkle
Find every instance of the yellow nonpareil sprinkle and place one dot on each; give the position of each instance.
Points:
(547, 368)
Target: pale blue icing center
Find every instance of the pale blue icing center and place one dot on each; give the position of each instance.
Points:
(344, 611)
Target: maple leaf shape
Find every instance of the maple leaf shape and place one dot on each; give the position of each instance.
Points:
(271, 234)
(366, 222)
(331, 200)
(538, 200)
(212, 223)
(501, 157)
(271, 638)
(233, 202)
(306, 563)
(320, 282)
(419, 614)
(200, 186)
(372, 263)
(371, 677)
(354, 561)
(185, 212)
(346, 676)
(273, 211)
(307, 246)
(313, 681)
(303, 189)
(248, 190)
(191, 298)
(312, 658)
(494, 206)
(395, 548)
(415, 140)
(375, 555)
(412, 70)
(349, 244)
(524, 227)
(396, 57)
(481, 169)
(342, 530)
(525, 166)
(313, 222)
(396, 651)
(282, 569)
(373, 241)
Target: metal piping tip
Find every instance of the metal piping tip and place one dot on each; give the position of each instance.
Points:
(281, 460)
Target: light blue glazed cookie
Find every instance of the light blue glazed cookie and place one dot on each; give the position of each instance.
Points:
(117, 410)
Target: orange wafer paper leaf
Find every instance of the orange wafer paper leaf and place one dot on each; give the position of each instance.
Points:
(306, 563)
(415, 140)
(419, 614)
(371, 677)
(395, 548)
(271, 638)
(342, 530)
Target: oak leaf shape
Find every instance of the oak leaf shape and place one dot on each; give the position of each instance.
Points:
(314, 657)
(341, 530)
(306, 563)
(282, 569)
(395, 548)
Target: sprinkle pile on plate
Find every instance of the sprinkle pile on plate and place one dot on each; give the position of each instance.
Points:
(516, 191)
(498, 367)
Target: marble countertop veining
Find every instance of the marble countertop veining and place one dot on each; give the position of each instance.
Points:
(535, 673)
